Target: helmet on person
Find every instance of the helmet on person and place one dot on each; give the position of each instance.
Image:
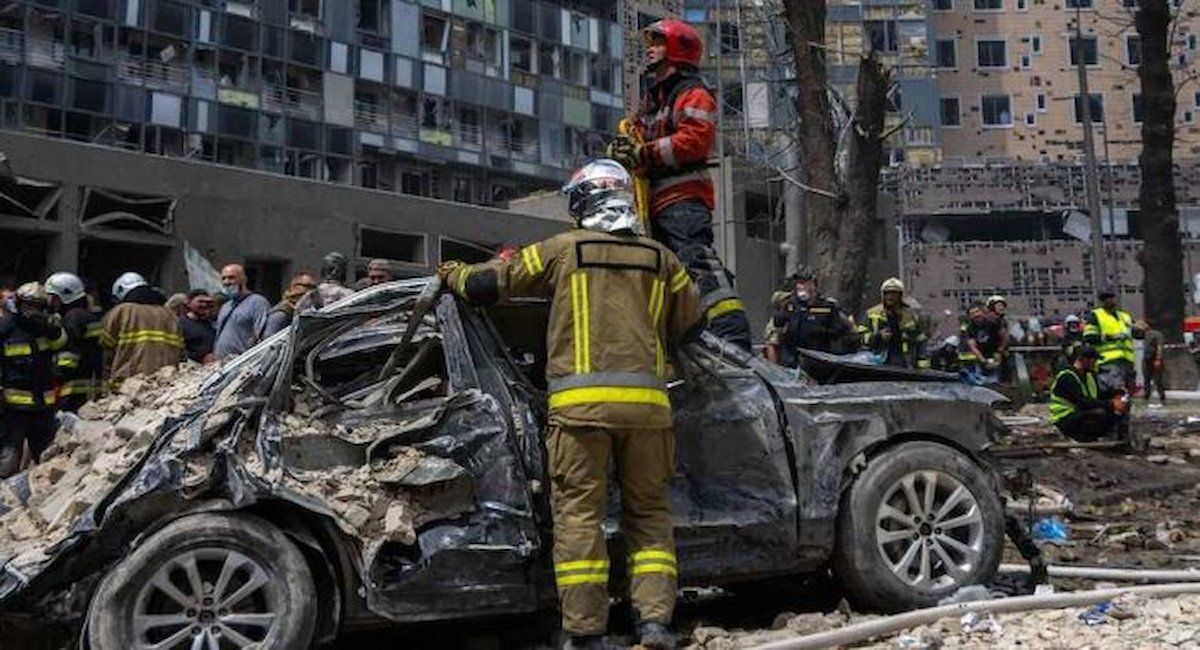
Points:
(683, 41)
(1107, 291)
(992, 300)
(32, 293)
(804, 273)
(334, 266)
(891, 284)
(600, 197)
(1071, 319)
(126, 283)
(1084, 351)
(67, 286)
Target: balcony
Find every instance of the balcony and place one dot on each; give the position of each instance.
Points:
(514, 147)
(405, 126)
(468, 136)
(12, 45)
(370, 117)
(292, 101)
(153, 74)
(44, 53)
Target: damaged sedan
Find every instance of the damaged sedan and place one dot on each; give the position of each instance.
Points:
(380, 463)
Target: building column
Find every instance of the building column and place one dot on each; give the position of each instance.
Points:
(63, 251)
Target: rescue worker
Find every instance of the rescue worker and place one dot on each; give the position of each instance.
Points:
(1111, 330)
(80, 365)
(979, 337)
(676, 134)
(334, 271)
(1079, 406)
(997, 308)
(772, 334)
(892, 331)
(1154, 355)
(810, 320)
(30, 336)
(619, 302)
(141, 335)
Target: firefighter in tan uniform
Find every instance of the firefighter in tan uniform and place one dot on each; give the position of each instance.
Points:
(140, 335)
(619, 301)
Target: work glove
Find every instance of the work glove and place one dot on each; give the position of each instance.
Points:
(625, 151)
(446, 268)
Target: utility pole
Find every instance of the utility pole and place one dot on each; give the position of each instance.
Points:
(1099, 268)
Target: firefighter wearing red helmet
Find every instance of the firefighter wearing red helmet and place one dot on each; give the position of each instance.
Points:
(677, 129)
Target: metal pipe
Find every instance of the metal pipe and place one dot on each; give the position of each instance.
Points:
(1111, 573)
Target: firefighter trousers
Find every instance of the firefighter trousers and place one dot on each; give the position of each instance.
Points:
(579, 459)
(17, 427)
(686, 229)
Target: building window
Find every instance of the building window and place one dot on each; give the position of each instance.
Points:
(520, 53)
(1096, 106)
(576, 71)
(391, 245)
(1079, 4)
(946, 54)
(992, 53)
(996, 110)
(550, 61)
(434, 32)
(943, 5)
(1133, 49)
(1137, 108)
(308, 8)
(1041, 102)
(951, 112)
(1022, 5)
(483, 44)
(1087, 48)
(989, 5)
(371, 15)
(881, 34)
(1035, 44)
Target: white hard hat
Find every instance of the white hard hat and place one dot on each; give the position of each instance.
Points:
(126, 283)
(67, 286)
(891, 284)
(31, 292)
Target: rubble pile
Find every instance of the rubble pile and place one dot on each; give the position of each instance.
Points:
(90, 454)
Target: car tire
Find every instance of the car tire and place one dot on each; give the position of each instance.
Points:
(896, 552)
(231, 578)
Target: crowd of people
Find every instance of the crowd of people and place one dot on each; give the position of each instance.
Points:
(61, 349)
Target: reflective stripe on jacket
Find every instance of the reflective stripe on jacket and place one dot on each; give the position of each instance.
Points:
(910, 339)
(678, 123)
(27, 364)
(80, 365)
(1112, 335)
(142, 338)
(617, 302)
(1060, 407)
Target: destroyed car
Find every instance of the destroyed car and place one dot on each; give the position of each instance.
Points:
(380, 462)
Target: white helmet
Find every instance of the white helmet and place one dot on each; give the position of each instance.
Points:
(600, 197)
(126, 283)
(67, 286)
(891, 284)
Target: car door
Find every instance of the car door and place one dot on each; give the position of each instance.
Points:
(733, 495)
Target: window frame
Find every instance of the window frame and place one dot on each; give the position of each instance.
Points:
(1071, 50)
(988, 10)
(937, 63)
(979, 41)
(1076, 113)
(942, 113)
(982, 113)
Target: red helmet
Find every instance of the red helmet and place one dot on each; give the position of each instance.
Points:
(683, 41)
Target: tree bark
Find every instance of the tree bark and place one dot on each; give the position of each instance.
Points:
(856, 232)
(816, 138)
(1162, 250)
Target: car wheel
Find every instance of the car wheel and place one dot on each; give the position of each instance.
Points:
(920, 521)
(210, 581)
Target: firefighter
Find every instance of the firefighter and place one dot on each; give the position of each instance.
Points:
(1079, 406)
(675, 135)
(140, 334)
(31, 336)
(892, 331)
(80, 365)
(619, 301)
(809, 320)
(979, 336)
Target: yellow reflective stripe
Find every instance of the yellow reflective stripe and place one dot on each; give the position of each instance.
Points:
(81, 387)
(582, 579)
(150, 336)
(67, 360)
(648, 567)
(580, 315)
(600, 394)
(652, 554)
(107, 340)
(93, 330)
(532, 260)
(537, 258)
(18, 397)
(17, 349)
(47, 344)
(724, 307)
(576, 565)
(462, 281)
(657, 297)
(680, 280)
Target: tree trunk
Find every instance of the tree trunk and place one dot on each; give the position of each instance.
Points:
(1162, 253)
(856, 233)
(815, 136)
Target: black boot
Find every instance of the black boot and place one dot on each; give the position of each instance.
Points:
(655, 636)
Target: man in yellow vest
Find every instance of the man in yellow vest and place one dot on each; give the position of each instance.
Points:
(1111, 330)
(1079, 407)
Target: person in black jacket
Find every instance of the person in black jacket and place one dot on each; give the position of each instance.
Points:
(29, 338)
(80, 365)
(809, 320)
(1079, 407)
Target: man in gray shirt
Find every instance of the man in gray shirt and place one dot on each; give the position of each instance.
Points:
(237, 320)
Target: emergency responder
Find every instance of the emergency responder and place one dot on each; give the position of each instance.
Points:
(997, 307)
(1079, 406)
(30, 338)
(80, 365)
(1111, 330)
(619, 301)
(140, 333)
(810, 320)
(676, 133)
(772, 334)
(1154, 357)
(979, 337)
(892, 331)
(1072, 338)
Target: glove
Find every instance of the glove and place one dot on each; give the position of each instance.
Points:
(446, 268)
(625, 151)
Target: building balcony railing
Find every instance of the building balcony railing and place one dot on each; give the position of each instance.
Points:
(12, 45)
(292, 101)
(468, 136)
(44, 53)
(153, 74)
(370, 117)
(516, 148)
(405, 126)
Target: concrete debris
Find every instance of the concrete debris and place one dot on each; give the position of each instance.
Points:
(91, 452)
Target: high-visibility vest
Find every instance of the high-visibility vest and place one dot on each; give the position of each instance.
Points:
(1061, 408)
(1116, 335)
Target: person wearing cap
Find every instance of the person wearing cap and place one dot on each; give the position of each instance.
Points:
(891, 330)
(140, 334)
(675, 134)
(809, 320)
(1080, 407)
(29, 339)
(1111, 331)
(80, 365)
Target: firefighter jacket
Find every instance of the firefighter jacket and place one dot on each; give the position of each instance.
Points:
(816, 324)
(141, 335)
(27, 368)
(906, 345)
(617, 302)
(1111, 334)
(678, 123)
(80, 365)
(986, 332)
